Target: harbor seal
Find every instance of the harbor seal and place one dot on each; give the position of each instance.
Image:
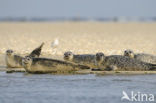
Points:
(45, 65)
(122, 63)
(141, 56)
(15, 61)
(84, 59)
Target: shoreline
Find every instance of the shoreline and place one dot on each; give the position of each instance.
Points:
(83, 72)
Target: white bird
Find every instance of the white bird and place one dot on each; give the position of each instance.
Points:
(54, 45)
(125, 96)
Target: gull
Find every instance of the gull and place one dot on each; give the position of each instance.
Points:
(54, 45)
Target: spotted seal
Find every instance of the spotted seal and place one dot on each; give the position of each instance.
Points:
(15, 61)
(141, 56)
(84, 59)
(45, 65)
(122, 63)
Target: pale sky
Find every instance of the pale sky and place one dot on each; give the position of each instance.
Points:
(77, 8)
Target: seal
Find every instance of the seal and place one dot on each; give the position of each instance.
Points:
(141, 56)
(122, 63)
(45, 65)
(15, 61)
(36, 52)
(84, 59)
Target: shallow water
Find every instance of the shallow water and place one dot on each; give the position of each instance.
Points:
(27, 88)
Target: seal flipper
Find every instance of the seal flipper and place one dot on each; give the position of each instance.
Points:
(154, 65)
(95, 69)
(36, 52)
(109, 68)
(82, 66)
(153, 68)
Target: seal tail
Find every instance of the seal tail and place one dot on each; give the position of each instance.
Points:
(37, 52)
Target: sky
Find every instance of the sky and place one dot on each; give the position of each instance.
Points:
(77, 8)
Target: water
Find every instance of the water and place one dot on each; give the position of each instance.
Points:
(28, 88)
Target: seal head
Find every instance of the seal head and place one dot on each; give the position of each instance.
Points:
(99, 57)
(129, 53)
(26, 62)
(68, 56)
(9, 52)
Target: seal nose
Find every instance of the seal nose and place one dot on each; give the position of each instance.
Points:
(8, 53)
(97, 57)
(126, 53)
(66, 56)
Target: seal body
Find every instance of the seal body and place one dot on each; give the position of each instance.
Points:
(146, 58)
(141, 56)
(13, 60)
(45, 65)
(123, 63)
(84, 59)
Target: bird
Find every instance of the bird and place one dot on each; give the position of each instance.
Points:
(54, 45)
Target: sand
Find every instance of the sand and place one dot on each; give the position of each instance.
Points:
(78, 37)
